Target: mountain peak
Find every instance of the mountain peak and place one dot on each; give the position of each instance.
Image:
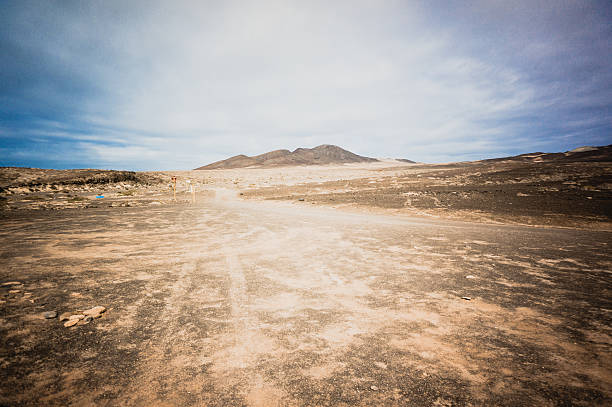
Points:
(323, 154)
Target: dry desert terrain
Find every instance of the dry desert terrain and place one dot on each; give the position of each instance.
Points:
(381, 283)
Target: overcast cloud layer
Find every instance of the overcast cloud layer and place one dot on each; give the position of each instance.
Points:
(175, 85)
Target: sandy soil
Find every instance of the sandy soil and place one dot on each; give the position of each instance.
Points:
(241, 300)
(563, 190)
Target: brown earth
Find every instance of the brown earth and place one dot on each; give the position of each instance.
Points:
(234, 301)
(571, 189)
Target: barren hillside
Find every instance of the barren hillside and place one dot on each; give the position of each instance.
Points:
(323, 154)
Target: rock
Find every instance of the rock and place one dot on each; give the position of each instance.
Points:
(71, 322)
(76, 317)
(50, 314)
(8, 283)
(86, 320)
(301, 199)
(381, 365)
(466, 298)
(65, 316)
(95, 312)
(14, 291)
(373, 388)
(470, 276)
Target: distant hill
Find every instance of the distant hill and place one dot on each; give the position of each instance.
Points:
(584, 154)
(323, 154)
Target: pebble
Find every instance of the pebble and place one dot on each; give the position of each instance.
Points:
(95, 312)
(374, 388)
(466, 298)
(381, 365)
(11, 283)
(65, 316)
(50, 314)
(76, 317)
(470, 276)
(14, 291)
(71, 322)
(86, 320)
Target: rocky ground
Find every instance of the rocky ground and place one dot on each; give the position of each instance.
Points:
(573, 190)
(33, 188)
(243, 294)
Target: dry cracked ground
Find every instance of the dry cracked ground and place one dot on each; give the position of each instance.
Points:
(234, 302)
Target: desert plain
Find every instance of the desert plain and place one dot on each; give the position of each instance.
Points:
(379, 283)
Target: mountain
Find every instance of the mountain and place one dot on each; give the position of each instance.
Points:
(323, 154)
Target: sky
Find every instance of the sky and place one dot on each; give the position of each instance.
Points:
(154, 85)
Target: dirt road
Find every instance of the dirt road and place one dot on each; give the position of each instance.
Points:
(232, 302)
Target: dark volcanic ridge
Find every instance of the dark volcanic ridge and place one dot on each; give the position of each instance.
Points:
(13, 177)
(323, 154)
(580, 154)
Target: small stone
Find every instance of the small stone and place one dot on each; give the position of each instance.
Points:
(71, 322)
(14, 291)
(76, 317)
(65, 316)
(381, 365)
(470, 276)
(86, 320)
(8, 283)
(301, 199)
(50, 314)
(95, 312)
(373, 388)
(466, 298)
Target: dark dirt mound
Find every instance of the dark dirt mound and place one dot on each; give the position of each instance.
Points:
(323, 154)
(11, 177)
(35, 188)
(581, 154)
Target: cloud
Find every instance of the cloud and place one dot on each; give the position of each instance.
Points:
(179, 84)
